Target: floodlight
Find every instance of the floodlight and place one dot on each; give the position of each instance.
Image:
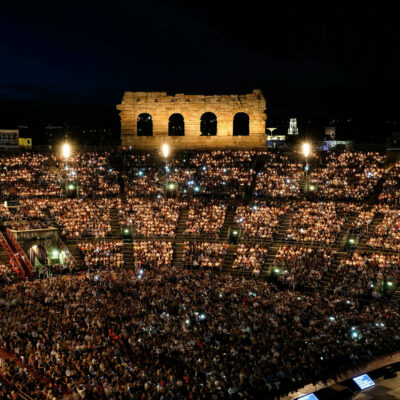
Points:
(66, 150)
(165, 150)
(306, 149)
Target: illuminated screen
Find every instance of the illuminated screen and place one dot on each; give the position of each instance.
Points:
(310, 396)
(364, 381)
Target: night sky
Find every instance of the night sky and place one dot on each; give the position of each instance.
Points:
(320, 62)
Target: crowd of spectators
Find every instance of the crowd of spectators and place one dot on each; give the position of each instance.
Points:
(92, 172)
(205, 220)
(223, 173)
(151, 330)
(143, 182)
(148, 254)
(318, 222)
(27, 175)
(204, 337)
(156, 217)
(79, 218)
(250, 258)
(7, 274)
(391, 187)
(347, 175)
(259, 221)
(29, 214)
(297, 266)
(387, 234)
(102, 254)
(280, 178)
(365, 273)
(204, 254)
(364, 219)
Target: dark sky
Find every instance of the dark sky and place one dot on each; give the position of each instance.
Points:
(328, 60)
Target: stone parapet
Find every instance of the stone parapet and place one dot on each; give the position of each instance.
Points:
(160, 106)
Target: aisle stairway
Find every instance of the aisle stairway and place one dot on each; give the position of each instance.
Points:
(395, 298)
(376, 221)
(115, 225)
(229, 259)
(269, 261)
(283, 227)
(179, 239)
(75, 252)
(342, 237)
(228, 223)
(128, 254)
(326, 279)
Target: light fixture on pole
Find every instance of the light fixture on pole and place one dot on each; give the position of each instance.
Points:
(66, 150)
(165, 150)
(306, 147)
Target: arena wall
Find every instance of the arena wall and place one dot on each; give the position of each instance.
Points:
(161, 106)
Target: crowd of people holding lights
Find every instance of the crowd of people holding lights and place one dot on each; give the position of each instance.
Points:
(152, 329)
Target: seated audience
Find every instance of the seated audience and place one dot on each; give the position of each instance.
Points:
(250, 258)
(302, 266)
(205, 220)
(103, 254)
(204, 254)
(152, 254)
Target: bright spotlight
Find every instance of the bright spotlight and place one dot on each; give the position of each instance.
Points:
(165, 150)
(55, 253)
(306, 149)
(66, 150)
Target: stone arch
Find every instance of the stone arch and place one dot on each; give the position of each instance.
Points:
(144, 125)
(241, 124)
(208, 124)
(176, 125)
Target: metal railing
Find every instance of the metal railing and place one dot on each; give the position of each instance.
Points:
(20, 251)
(14, 260)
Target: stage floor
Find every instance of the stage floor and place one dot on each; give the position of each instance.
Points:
(385, 389)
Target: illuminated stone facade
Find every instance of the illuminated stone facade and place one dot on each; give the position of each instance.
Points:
(158, 107)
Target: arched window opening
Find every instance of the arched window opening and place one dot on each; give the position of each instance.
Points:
(144, 125)
(241, 124)
(208, 124)
(176, 125)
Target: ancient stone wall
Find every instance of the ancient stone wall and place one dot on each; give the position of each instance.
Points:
(161, 106)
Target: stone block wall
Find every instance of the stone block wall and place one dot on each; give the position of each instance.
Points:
(161, 106)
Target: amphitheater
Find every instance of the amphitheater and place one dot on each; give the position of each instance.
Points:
(204, 274)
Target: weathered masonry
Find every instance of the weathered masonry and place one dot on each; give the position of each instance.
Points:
(151, 119)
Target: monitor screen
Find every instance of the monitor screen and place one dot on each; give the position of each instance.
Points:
(364, 381)
(310, 396)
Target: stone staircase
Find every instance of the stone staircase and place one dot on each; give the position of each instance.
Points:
(283, 227)
(228, 223)
(302, 184)
(229, 259)
(128, 254)
(342, 237)
(179, 239)
(75, 252)
(327, 278)
(114, 222)
(269, 261)
(376, 221)
(395, 298)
